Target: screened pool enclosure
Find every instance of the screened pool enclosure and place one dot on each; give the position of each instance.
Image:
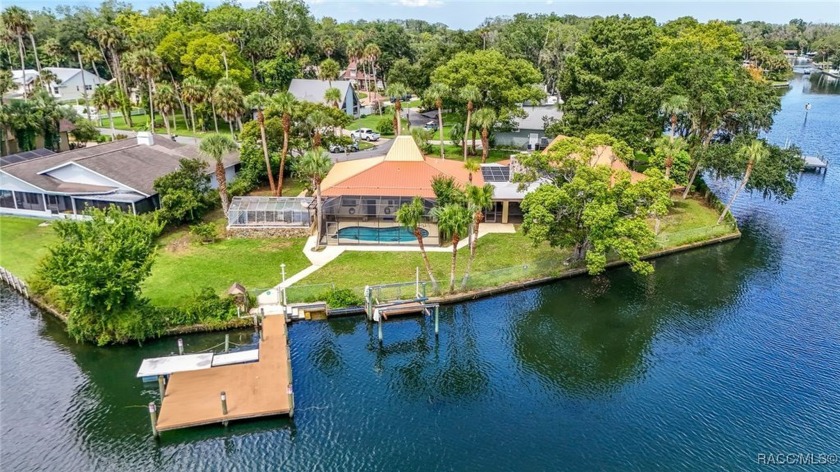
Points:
(270, 212)
(372, 220)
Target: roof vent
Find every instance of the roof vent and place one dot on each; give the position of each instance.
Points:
(145, 138)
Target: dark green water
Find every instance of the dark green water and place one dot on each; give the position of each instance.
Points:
(724, 353)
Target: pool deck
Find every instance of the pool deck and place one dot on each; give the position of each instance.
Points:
(262, 388)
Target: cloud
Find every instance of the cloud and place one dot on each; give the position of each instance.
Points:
(420, 3)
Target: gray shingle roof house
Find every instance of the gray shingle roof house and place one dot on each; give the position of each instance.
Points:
(313, 91)
(530, 130)
(45, 184)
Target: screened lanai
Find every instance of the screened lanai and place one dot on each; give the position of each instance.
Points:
(270, 212)
(372, 220)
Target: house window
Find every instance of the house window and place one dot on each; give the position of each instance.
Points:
(55, 90)
(77, 88)
(88, 87)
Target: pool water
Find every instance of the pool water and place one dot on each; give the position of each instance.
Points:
(392, 234)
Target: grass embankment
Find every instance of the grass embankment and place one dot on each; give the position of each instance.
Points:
(23, 242)
(500, 258)
(183, 266)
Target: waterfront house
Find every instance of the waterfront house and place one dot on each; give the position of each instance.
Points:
(361, 197)
(71, 85)
(313, 91)
(529, 132)
(46, 184)
(358, 77)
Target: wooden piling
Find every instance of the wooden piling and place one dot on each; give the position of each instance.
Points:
(224, 407)
(380, 328)
(227, 342)
(161, 387)
(180, 346)
(153, 419)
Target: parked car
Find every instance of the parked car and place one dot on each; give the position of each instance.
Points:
(404, 98)
(337, 147)
(366, 134)
(431, 126)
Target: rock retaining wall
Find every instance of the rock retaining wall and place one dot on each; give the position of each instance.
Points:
(257, 233)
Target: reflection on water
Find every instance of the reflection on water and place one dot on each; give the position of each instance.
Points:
(591, 345)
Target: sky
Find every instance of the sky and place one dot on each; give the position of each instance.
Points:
(468, 14)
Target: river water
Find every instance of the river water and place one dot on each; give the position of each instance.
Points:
(723, 354)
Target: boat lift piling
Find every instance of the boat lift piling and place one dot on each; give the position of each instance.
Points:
(379, 306)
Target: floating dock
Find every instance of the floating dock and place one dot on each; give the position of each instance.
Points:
(232, 392)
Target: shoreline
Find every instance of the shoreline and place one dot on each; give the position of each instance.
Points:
(489, 292)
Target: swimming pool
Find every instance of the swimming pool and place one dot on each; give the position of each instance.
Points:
(391, 234)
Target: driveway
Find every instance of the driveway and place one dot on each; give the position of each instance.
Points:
(382, 148)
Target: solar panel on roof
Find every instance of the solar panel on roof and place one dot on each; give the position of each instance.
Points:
(24, 156)
(495, 173)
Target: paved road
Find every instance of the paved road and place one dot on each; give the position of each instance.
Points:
(380, 150)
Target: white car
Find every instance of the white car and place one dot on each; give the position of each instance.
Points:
(366, 134)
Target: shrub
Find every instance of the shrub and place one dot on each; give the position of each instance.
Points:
(421, 137)
(342, 297)
(184, 193)
(385, 125)
(204, 307)
(206, 232)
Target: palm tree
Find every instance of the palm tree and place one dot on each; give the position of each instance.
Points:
(89, 54)
(146, 64)
(227, 97)
(328, 70)
(314, 165)
(45, 79)
(754, 152)
(283, 103)
(166, 101)
(435, 94)
(259, 101)
(78, 47)
(332, 96)
(396, 90)
(453, 221)
(471, 165)
(485, 119)
(478, 199)
(106, 97)
(372, 53)
(194, 91)
(317, 120)
(469, 94)
(6, 83)
(410, 215)
(669, 147)
(675, 105)
(18, 24)
(215, 146)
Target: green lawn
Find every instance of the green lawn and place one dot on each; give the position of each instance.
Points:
(452, 151)
(141, 124)
(371, 121)
(500, 258)
(23, 243)
(689, 221)
(184, 266)
(291, 188)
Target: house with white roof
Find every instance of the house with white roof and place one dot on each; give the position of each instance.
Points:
(529, 132)
(309, 90)
(71, 85)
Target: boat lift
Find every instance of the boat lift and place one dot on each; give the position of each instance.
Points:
(379, 305)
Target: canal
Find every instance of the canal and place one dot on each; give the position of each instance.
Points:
(723, 354)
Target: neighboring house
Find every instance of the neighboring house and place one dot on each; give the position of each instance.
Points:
(45, 184)
(605, 156)
(10, 145)
(309, 90)
(529, 132)
(358, 77)
(68, 88)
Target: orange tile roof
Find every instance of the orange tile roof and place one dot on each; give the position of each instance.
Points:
(400, 179)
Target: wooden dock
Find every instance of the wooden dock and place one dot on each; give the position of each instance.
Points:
(258, 389)
(815, 164)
